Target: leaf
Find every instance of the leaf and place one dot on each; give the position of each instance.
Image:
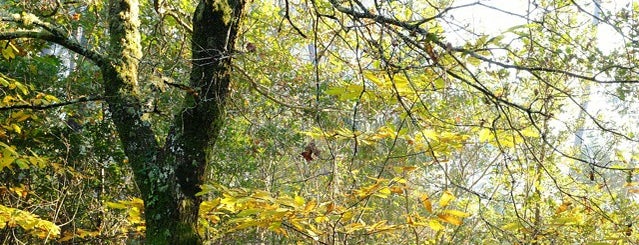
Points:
(529, 132)
(299, 201)
(16, 128)
(321, 219)
(22, 88)
(6, 161)
(563, 207)
(450, 219)
(370, 76)
(512, 226)
(349, 92)
(485, 135)
(456, 213)
(440, 83)
(116, 205)
(435, 225)
(383, 192)
(248, 212)
(22, 164)
(568, 220)
(8, 51)
(51, 98)
(20, 116)
(8, 99)
(431, 134)
(310, 206)
(31, 223)
(350, 228)
(445, 199)
(347, 216)
(426, 202)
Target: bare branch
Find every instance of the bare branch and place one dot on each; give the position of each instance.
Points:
(414, 27)
(53, 105)
(261, 91)
(180, 21)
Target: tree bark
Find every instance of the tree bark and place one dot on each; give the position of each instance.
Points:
(170, 176)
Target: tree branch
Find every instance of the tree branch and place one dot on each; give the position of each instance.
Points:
(52, 105)
(50, 33)
(260, 90)
(414, 27)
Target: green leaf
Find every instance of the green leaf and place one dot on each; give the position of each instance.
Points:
(22, 164)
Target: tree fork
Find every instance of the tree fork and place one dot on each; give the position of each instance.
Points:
(169, 177)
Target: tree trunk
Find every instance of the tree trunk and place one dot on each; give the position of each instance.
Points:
(170, 176)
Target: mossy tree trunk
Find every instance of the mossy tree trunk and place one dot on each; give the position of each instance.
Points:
(169, 176)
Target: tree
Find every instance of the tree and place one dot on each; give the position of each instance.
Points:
(168, 175)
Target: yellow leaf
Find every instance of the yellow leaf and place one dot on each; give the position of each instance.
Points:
(409, 168)
(16, 128)
(28, 221)
(450, 219)
(512, 226)
(51, 98)
(456, 213)
(20, 116)
(353, 227)
(384, 192)
(321, 219)
(299, 201)
(248, 212)
(370, 76)
(445, 199)
(440, 83)
(8, 99)
(563, 207)
(435, 225)
(431, 134)
(208, 206)
(397, 190)
(485, 135)
(263, 195)
(426, 202)
(347, 216)
(310, 206)
(529, 132)
(8, 53)
(409, 220)
(116, 205)
(570, 220)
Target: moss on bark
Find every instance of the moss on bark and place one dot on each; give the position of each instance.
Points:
(170, 176)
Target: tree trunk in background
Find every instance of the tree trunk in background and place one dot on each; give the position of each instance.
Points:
(170, 176)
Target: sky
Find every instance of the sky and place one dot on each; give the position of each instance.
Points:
(493, 22)
(490, 21)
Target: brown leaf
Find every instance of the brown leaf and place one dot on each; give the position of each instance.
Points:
(308, 156)
(309, 151)
(250, 47)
